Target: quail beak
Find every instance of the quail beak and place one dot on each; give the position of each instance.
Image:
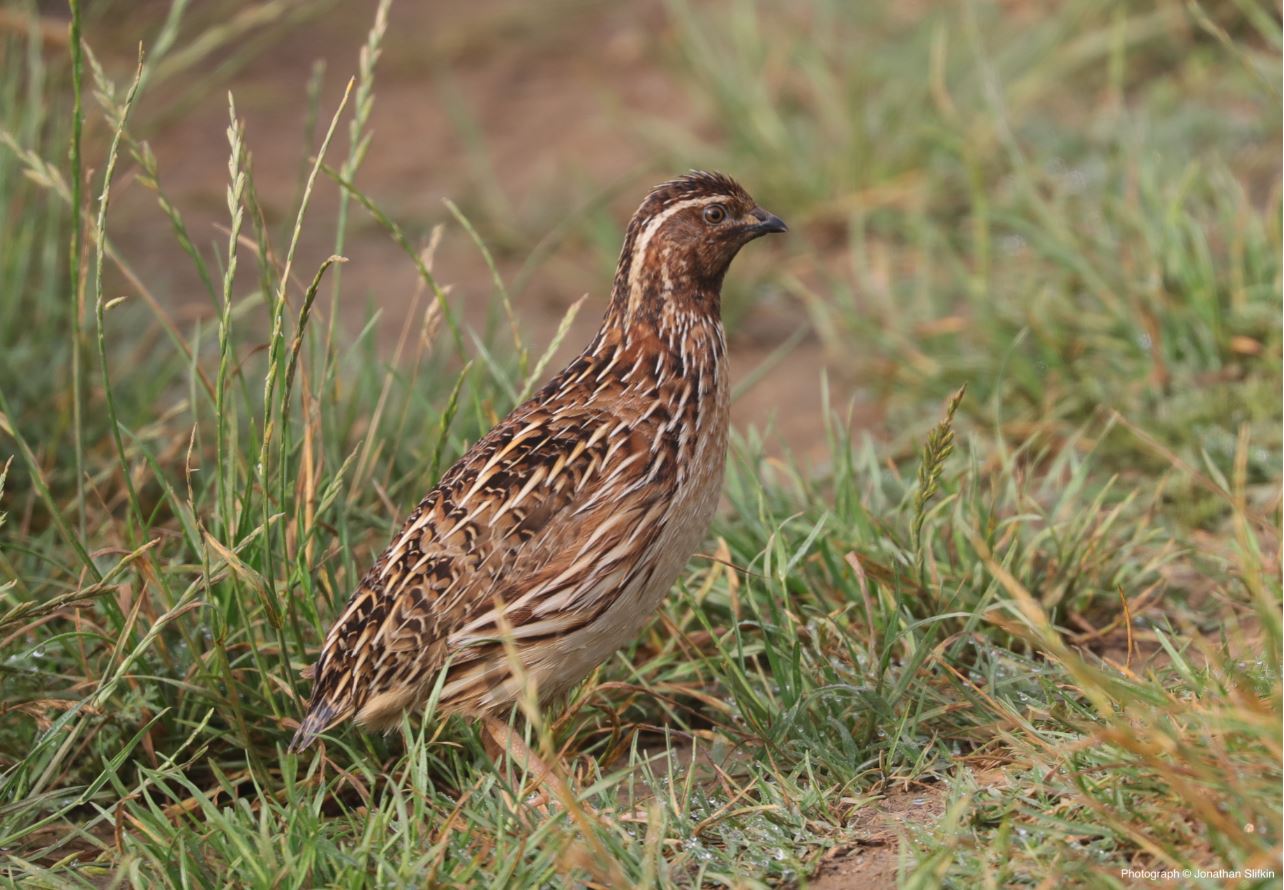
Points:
(766, 223)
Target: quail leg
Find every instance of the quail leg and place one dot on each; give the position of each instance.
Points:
(502, 741)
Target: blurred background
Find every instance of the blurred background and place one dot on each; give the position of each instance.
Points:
(962, 179)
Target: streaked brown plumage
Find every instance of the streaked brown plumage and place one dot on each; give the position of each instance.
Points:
(573, 516)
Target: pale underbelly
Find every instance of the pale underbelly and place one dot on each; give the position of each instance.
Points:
(558, 665)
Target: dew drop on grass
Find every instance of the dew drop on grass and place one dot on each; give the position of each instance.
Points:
(695, 848)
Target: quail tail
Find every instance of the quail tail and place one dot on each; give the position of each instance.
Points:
(317, 721)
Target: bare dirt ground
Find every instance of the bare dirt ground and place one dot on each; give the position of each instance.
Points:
(870, 862)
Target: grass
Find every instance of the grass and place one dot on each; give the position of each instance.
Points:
(1050, 603)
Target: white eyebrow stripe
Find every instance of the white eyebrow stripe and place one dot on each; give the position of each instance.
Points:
(644, 240)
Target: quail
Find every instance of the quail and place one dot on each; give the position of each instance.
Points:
(555, 537)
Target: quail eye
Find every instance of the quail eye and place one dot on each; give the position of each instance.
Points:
(714, 214)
